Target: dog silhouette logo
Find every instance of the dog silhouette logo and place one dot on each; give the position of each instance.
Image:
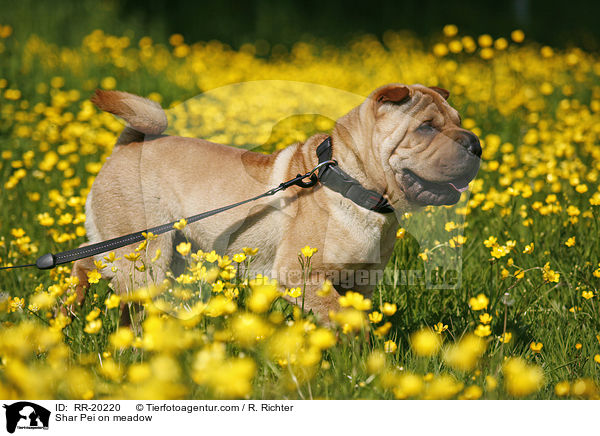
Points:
(26, 415)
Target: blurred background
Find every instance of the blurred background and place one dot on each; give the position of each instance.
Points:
(236, 22)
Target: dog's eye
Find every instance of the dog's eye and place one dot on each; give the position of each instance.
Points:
(426, 127)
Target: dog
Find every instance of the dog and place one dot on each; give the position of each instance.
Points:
(403, 146)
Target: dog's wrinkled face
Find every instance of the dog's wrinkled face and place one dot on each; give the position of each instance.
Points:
(427, 157)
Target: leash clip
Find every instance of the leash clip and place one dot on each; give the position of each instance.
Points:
(320, 165)
(313, 178)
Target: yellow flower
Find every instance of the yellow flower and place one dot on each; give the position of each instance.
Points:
(228, 272)
(562, 388)
(389, 309)
(375, 317)
(356, 300)
(157, 255)
(442, 387)
(408, 385)
(322, 338)
(383, 329)
(401, 233)
(122, 338)
(570, 242)
(308, 252)
(390, 347)
(239, 257)
(142, 245)
(375, 362)
(99, 264)
(264, 292)
(326, 289)
(180, 225)
(211, 257)
(490, 242)
(149, 236)
(184, 248)
(248, 329)
(549, 275)
(536, 347)
(483, 330)
(425, 342)
(110, 258)
(578, 346)
(486, 318)
(220, 305)
(112, 301)
(224, 262)
(93, 327)
(94, 276)
(520, 378)
(16, 304)
(351, 320)
(499, 251)
(457, 241)
(17, 233)
(294, 292)
(250, 251)
(43, 300)
(45, 219)
(490, 383)
(587, 294)
(517, 35)
(440, 327)
(132, 257)
(473, 392)
(597, 358)
(505, 338)
(450, 225)
(479, 303)
(465, 354)
(528, 249)
(450, 30)
(440, 49)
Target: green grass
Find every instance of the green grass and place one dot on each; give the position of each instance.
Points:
(535, 311)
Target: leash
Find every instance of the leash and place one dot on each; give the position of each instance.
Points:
(50, 260)
(326, 171)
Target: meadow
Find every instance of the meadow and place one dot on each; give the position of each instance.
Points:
(522, 323)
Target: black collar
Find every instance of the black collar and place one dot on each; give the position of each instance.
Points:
(339, 181)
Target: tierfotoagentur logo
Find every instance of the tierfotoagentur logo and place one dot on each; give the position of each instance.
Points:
(24, 415)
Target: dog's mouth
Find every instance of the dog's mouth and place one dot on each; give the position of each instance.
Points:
(423, 192)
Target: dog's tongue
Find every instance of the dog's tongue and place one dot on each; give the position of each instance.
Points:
(463, 189)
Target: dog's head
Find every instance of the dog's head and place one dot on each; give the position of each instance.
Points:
(411, 138)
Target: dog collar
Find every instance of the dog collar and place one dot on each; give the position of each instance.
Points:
(339, 181)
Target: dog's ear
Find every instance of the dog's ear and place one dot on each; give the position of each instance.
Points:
(392, 94)
(441, 91)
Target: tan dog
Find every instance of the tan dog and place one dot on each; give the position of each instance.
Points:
(404, 142)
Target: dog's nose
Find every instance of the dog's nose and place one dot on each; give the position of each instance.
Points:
(471, 142)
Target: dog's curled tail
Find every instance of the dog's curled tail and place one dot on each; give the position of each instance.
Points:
(142, 115)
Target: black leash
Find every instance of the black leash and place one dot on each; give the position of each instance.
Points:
(329, 174)
(49, 261)
(17, 266)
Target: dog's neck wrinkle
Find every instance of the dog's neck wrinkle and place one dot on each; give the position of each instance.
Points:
(352, 161)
